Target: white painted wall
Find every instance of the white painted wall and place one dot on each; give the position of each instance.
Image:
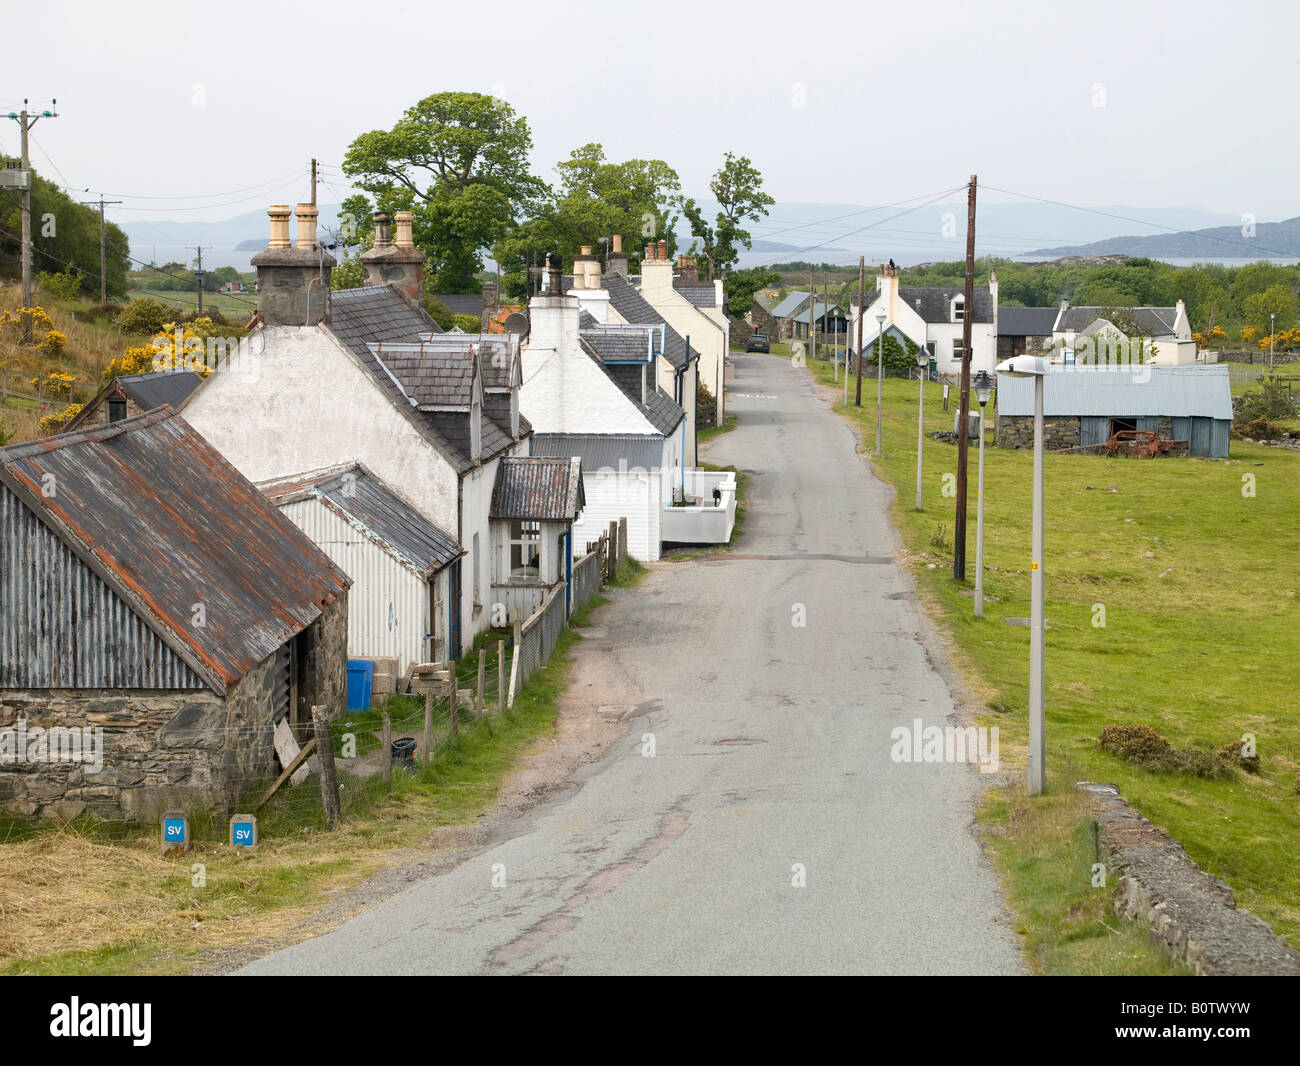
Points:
(635, 495)
(388, 606)
(303, 403)
(707, 336)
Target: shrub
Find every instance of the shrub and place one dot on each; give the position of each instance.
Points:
(6, 434)
(52, 423)
(65, 286)
(1234, 754)
(144, 316)
(53, 343)
(108, 311)
(469, 323)
(1260, 429)
(1271, 401)
(1142, 746)
(438, 311)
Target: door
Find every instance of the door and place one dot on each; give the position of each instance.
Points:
(453, 611)
(1200, 438)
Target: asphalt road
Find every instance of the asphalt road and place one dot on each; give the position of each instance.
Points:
(771, 831)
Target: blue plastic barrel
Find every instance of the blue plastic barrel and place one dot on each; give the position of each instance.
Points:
(361, 677)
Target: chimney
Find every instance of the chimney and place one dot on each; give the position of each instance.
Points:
(553, 315)
(618, 257)
(657, 268)
(687, 271)
(395, 262)
(293, 282)
(586, 269)
(663, 251)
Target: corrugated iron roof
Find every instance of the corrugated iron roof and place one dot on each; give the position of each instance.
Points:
(169, 524)
(790, 305)
(1122, 391)
(374, 509)
(539, 489)
(602, 451)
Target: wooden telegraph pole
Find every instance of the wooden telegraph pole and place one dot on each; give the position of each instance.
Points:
(963, 415)
(862, 282)
(103, 256)
(812, 309)
(26, 120)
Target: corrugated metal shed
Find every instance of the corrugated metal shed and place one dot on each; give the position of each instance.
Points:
(602, 451)
(166, 523)
(790, 305)
(1122, 391)
(375, 511)
(541, 489)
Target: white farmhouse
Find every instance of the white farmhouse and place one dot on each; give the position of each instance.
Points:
(931, 317)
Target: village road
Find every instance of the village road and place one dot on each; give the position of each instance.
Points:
(770, 831)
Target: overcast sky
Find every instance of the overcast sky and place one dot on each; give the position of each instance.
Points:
(1136, 103)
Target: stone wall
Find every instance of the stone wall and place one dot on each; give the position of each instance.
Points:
(763, 321)
(741, 331)
(192, 750)
(1018, 432)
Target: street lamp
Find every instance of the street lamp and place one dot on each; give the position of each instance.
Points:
(922, 358)
(1036, 367)
(880, 373)
(983, 385)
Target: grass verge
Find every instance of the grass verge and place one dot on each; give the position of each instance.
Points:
(1171, 602)
(85, 899)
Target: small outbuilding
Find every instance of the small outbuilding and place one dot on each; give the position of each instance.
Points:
(133, 394)
(1085, 405)
(158, 618)
(399, 561)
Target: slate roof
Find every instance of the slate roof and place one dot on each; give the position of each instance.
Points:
(626, 346)
(586, 320)
(1152, 321)
(432, 377)
(147, 390)
(659, 408)
(1026, 321)
(789, 305)
(934, 302)
(698, 295)
(160, 516)
(634, 308)
(495, 360)
(540, 489)
(370, 506)
(379, 313)
(1165, 391)
(461, 303)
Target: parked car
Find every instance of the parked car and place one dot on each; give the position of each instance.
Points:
(758, 343)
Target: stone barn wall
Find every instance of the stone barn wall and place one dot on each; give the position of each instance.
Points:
(1018, 432)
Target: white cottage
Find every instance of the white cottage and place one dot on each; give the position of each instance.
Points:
(365, 376)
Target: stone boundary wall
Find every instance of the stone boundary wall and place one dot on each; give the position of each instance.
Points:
(1193, 915)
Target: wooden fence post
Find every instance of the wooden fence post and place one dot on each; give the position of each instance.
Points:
(622, 537)
(329, 783)
(501, 676)
(387, 734)
(428, 724)
(482, 670)
(613, 550)
(453, 699)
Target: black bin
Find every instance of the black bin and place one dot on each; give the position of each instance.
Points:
(404, 752)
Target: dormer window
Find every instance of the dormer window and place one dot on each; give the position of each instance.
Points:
(958, 308)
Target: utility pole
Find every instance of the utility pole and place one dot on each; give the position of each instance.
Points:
(313, 183)
(103, 257)
(198, 276)
(963, 414)
(812, 311)
(862, 283)
(26, 120)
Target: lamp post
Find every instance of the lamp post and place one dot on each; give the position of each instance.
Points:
(983, 385)
(1036, 367)
(922, 358)
(880, 373)
(1272, 329)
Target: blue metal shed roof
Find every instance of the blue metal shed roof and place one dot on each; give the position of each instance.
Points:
(1166, 391)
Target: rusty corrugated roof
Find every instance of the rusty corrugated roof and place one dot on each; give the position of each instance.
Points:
(169, 524)
(539, 489)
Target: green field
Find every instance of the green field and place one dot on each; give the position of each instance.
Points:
(1198, 585)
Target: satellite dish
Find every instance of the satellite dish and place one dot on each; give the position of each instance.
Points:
(517, 324)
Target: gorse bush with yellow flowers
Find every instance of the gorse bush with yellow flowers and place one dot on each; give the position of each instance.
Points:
(172, 348)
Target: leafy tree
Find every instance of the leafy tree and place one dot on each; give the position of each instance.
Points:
(144, 316)
(737, 186)
(740, 286)
(596, 198)
(459, 163)
(349, 274)
(1279, 300)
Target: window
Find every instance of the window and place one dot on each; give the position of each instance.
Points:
(958, 308)
(956, 349)
(525, 550)
(116, 410)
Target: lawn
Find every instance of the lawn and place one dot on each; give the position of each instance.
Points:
(1171, 601)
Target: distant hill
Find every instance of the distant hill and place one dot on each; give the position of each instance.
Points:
(1271, 239)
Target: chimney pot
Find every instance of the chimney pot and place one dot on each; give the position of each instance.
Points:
(383, 229)
(405, 221)
(307, 215)
(279, 215)
(663, 249)
(618, 242)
